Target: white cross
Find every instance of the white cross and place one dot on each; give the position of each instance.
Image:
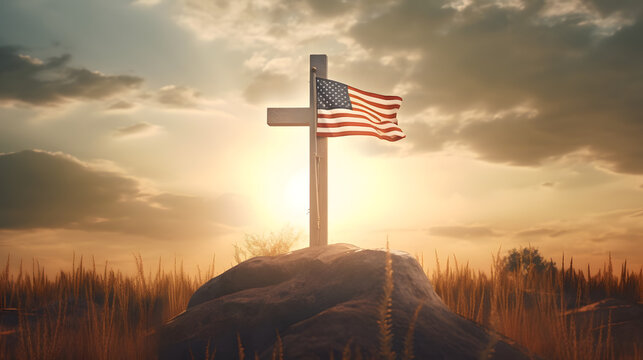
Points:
(318, 152)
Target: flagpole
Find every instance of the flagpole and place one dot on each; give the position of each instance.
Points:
(318, 162)
(314, 139)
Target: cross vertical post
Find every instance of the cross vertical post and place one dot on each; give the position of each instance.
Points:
(318, 151)
(318, 162)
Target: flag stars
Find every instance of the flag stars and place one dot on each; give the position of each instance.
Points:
(332, 95)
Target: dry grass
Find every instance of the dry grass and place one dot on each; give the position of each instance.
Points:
(87, 313)
(266, 245)
(90, 314)
(385, 320)
(529, 308)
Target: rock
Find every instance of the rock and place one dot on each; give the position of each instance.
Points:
(319, 300)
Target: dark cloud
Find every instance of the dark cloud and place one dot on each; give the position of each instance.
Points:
(178, 96)
(608, 7)
(51, 82)
(430, 137)
(121, 105)
(548, 184)
(280, 24)
(51, 190)
(632, 236)
(541, 232)
(326, 8)
(136, 129)
(269, 86)
(334, 8)
(462, 232)
(578, 74)
(638, 213)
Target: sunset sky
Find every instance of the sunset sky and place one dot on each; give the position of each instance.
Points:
(140, 127)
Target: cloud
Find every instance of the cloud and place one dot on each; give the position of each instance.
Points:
(177, 96)
(609, 7)
(120, 105)
(53, 190)
(618, 232)
(638, 213)
(135, 130)
(589, 238)
(541, 232)
(462, 232)
(543, 79)
(268, 86)
(280, 24)
(146, 2)
(33, 81)
(632, 236)
(571, 67)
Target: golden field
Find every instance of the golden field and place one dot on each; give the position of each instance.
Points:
(95, 312)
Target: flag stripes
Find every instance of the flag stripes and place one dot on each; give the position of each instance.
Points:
(367, 114)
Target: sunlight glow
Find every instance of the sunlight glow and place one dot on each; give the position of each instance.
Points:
(295, 195)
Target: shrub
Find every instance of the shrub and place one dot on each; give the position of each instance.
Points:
(526, 259)
(262, 245)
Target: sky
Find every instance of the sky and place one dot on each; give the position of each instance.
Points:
(139, 127)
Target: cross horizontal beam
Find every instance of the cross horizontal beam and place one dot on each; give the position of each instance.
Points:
(290, 116)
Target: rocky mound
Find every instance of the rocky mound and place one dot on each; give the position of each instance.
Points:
(322, 301)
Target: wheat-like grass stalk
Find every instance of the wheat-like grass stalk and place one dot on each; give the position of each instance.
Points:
(408, 341)
(347, 354)
(278, 349)
(240, 350)
(385, 320)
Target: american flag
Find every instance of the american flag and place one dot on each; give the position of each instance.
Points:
(344, 110)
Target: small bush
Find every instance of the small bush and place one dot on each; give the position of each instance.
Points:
(525, 260)
(262, 245)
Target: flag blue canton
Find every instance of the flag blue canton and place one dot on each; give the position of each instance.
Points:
(332, 95)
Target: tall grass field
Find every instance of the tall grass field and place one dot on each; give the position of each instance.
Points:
(94, 312)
